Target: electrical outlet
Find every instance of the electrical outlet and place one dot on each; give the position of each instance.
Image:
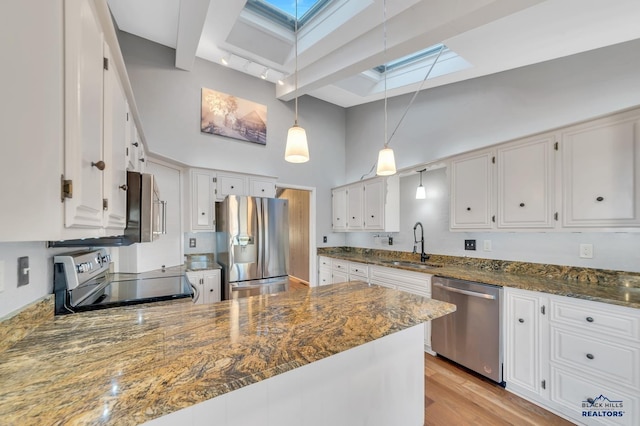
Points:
(469, 244)
(586, 251)
(23, 271)
(1, 276)
(487, 245)
(192, 242)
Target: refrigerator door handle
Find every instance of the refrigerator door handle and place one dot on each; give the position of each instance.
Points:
(261, 235)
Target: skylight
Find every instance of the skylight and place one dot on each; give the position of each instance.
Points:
(283, 12)
(412, 58)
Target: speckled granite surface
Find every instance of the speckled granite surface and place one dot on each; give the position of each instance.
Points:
(16, 326)
(128, 365)
(614, 287)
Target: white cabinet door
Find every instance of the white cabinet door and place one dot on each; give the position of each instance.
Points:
(526, 183)
(230, 185)
(355, 200)
(115, 145)
(339, 208)
(83, 111)
(471, 191)
(523, 346)
(324, 276)
(601, 182)
(211, 288)
(262, 187)
(374, 200)
(339, 277)
(202, 213)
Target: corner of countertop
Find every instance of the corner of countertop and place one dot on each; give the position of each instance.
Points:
(19, 324)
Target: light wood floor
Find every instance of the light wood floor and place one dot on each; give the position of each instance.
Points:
(455, 397)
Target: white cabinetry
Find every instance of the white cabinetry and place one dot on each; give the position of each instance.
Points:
(471, 183)
(567, 354)
(526, 183)
(525, 336)
(339, 208)
(333, 271)
(208, 285)
(259, 187)
(412, 282)
(201, 188)
(240, 184)
(601, 183)
(369, 205)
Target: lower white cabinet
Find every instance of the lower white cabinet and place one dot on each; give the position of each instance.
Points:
(409, 281)
(578, 358)
(208, 285)
(333, 271)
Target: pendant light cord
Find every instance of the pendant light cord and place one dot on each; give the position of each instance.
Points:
(295, 32)
(384, 61)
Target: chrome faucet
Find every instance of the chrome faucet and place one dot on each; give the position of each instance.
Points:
(423, 256)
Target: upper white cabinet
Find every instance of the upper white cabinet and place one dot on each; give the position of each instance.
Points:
(369, 205)
(241, 184)
(201, 200)
(339, 208)
(526, 183)
(601, 178)
(84, 163)
(471, 183)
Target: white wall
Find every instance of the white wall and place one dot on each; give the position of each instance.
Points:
(486, 111)
(616, 251)
(168, 100)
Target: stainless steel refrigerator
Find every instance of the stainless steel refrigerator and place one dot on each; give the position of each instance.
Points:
(252, 239)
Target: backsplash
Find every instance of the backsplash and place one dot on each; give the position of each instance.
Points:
(556, 272)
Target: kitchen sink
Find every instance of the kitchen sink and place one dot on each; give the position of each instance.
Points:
(412, 264)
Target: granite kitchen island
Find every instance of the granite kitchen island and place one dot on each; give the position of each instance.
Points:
(347, 350)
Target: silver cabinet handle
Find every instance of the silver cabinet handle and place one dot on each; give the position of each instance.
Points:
(466, 292)
(164, 217)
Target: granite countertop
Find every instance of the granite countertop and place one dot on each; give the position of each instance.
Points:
(613, 287)
(128, 365)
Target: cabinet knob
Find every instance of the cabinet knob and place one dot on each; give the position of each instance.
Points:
(142, 160)
(589, 319)
(211, 289)
(520, 320)
(353, 217)
(372, 216)
(468, 209)
(600, 199)
(521, 204)
(123, 187)
(202, 213)
(232, 186)
(590, 356)
(99, 165)
(134, 144)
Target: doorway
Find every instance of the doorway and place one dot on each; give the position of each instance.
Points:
(299, 234)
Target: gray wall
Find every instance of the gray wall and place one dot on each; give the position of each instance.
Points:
(486, 111)
(168, 100)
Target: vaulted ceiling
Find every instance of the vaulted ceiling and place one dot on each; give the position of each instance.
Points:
(338, 47)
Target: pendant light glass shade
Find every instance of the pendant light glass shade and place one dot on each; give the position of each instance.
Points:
(386, 162)
(421, 194)
(297, 150)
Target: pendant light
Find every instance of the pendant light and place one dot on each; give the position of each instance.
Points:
(386, 159)
(297, 149)
(421, 194)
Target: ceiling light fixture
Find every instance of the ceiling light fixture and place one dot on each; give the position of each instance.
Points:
(225, 59)
(386, 159)
(421, 194)
(297, 149)
(265, 73)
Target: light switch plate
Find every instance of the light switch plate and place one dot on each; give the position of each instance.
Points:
(586, 251)
(487, 245)
(1, 276)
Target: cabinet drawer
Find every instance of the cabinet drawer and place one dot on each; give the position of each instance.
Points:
(382, 283)
(231, 185)
(358, 270)
(572, 394)
(398, 276)
(340, 265)
(614, 362)
(594, 318)
(324, 262)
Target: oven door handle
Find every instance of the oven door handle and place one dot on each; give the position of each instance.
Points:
(465, 292)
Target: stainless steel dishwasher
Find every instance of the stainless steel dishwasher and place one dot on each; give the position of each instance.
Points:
(472, 335)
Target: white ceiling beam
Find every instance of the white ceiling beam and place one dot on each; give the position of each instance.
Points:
(416, 28)
(190, 24)
(220, 20)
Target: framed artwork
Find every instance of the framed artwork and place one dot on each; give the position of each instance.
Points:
(237, 118)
